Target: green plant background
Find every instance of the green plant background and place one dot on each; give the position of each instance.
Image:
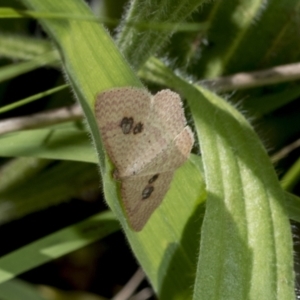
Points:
(227, 238)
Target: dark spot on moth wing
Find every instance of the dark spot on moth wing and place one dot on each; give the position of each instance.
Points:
(138, 128)
(126, 125)
(153, 178)
(147, 192)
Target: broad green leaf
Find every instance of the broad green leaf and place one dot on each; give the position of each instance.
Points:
(170, 239)
(246, 244)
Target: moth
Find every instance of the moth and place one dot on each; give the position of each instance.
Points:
(147, 139)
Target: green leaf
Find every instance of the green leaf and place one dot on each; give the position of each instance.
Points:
(57, 244)
(14, 70)
(16, 46)
(246, 244)
(137, 44)
(259, 35)
(65, 141)
(57, 183)
(293, 206)
(93, 64)
(268, 103)
(31, 99)
(17, 289)
(292, 176)
(246, 248)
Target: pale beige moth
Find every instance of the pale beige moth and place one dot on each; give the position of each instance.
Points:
(147, 139)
